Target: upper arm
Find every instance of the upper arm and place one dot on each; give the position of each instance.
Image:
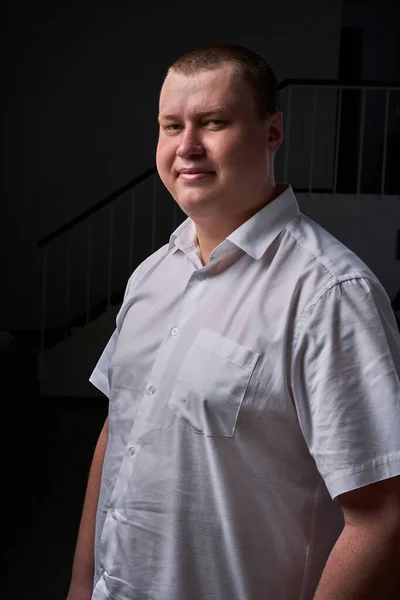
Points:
(374, 504)
(103, 438)
(346, 385)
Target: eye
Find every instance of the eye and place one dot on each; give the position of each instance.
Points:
(173, 127)
(215, 122)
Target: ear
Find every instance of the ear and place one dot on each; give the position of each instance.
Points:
(275, 130)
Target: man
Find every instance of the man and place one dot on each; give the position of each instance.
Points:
(252, 448)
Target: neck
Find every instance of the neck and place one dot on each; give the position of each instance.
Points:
(212, 231)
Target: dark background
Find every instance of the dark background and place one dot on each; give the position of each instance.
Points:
(79, 120)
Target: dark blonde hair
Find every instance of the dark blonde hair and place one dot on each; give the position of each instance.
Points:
(254, 69)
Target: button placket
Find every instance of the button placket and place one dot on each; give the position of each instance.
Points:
(189, 297)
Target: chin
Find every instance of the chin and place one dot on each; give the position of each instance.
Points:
(193, 199)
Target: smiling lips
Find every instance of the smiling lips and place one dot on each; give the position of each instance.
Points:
(194, 174)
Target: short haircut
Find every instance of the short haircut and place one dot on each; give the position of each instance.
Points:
(254, 69)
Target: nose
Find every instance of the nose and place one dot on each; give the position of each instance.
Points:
(189, 145)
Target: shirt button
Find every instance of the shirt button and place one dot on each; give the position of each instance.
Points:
(132, 450)
(201, 277)
(152, 390)
(174, 331)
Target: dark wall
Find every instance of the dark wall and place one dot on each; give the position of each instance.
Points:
(83, 82)
(379, 20)
(370, 35)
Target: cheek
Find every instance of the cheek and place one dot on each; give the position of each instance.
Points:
(244, 157)
(165, 156)
(232, 149)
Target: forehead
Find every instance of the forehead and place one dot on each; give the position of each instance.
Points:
(219, 88)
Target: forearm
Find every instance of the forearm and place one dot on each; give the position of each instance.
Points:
(83, 565)
(363, 565)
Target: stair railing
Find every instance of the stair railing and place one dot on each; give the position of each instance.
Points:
(316, 157)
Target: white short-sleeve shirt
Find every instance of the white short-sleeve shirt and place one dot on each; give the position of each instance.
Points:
(244, 396)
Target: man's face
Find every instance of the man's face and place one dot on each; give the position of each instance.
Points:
(214, 153)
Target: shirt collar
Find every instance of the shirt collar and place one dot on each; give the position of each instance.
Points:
(256, 234)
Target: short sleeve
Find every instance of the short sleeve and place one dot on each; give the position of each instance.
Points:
(345, 381)
(99, 376)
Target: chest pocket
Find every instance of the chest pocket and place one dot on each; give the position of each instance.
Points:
(211, 384)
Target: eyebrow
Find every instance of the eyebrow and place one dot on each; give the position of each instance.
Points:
(201, 114)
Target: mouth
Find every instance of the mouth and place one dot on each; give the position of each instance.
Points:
(194, 175)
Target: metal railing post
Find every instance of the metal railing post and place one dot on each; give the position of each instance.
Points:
(110, 248)
(88, 275)
(287, 137)
(313, 119)
(67, 285)
(131, 232)
(43, 303)
(361, 143)
(339, 119)
(385, 132)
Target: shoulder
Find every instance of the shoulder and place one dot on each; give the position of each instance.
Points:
(345, 304)
(326, 251)
(140, 274)
(148, 266)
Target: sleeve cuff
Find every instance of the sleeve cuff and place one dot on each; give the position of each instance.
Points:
(100, 381)
(373, 471)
